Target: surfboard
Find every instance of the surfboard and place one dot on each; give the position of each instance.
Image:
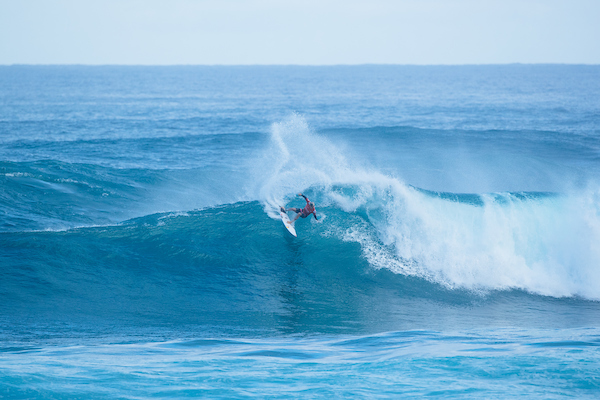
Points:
(287, 223)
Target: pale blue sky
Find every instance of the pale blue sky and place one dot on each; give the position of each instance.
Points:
(299, 32)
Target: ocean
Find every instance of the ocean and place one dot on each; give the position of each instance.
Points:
(456, 252)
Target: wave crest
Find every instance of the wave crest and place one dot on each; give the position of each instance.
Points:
(537, 242)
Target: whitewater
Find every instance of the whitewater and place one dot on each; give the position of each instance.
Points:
(456, 255)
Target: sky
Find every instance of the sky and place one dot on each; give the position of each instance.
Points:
(307, 32)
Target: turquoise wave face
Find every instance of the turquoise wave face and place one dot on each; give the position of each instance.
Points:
(222, 266)
(230, 270)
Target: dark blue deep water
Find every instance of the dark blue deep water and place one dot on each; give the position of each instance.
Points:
(456, 254)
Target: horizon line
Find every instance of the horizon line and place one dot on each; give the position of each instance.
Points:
(293, 65)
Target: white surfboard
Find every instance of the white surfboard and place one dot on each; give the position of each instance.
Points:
(288, 224)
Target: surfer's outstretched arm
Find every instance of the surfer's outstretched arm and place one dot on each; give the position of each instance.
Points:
(305, 198)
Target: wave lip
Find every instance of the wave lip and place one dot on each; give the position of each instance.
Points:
(543, 243)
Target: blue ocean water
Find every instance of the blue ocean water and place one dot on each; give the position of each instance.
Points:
(456, 255)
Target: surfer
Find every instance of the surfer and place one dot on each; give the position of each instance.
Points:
(303, 212)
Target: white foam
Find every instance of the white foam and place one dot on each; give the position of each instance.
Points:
(547, 245)
(295, 159)
(18, 175)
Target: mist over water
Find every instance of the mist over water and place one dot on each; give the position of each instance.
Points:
(540, 242)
